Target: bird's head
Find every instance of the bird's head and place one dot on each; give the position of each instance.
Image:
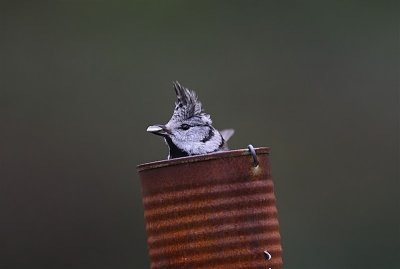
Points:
(189, 128)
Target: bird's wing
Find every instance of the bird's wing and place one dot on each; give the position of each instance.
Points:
(227, 133)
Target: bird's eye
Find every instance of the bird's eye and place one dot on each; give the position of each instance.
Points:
(185, 127)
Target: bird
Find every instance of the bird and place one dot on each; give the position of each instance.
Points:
(189, 131)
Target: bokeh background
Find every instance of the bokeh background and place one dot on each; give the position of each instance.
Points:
(318, 81)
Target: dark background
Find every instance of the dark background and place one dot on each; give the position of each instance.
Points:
(81, 80)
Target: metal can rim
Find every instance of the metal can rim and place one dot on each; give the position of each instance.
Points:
(200, 158)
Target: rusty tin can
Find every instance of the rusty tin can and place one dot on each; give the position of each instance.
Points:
(211, 211)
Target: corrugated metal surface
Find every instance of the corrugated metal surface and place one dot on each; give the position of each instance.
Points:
(211, 211)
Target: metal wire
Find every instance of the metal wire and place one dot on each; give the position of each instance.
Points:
(253, 154)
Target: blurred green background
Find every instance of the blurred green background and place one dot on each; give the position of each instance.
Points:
(318, 81)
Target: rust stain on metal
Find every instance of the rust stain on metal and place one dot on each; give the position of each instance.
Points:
(211, 211)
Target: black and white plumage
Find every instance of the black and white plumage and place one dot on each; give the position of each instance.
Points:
(189, 131)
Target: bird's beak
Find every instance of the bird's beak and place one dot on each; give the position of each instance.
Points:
(158, 130)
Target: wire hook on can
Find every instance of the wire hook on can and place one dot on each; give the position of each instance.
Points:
(253, 154)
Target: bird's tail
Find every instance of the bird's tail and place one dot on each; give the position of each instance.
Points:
(227, 133)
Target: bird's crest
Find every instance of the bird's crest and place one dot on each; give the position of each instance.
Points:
(187, 104)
